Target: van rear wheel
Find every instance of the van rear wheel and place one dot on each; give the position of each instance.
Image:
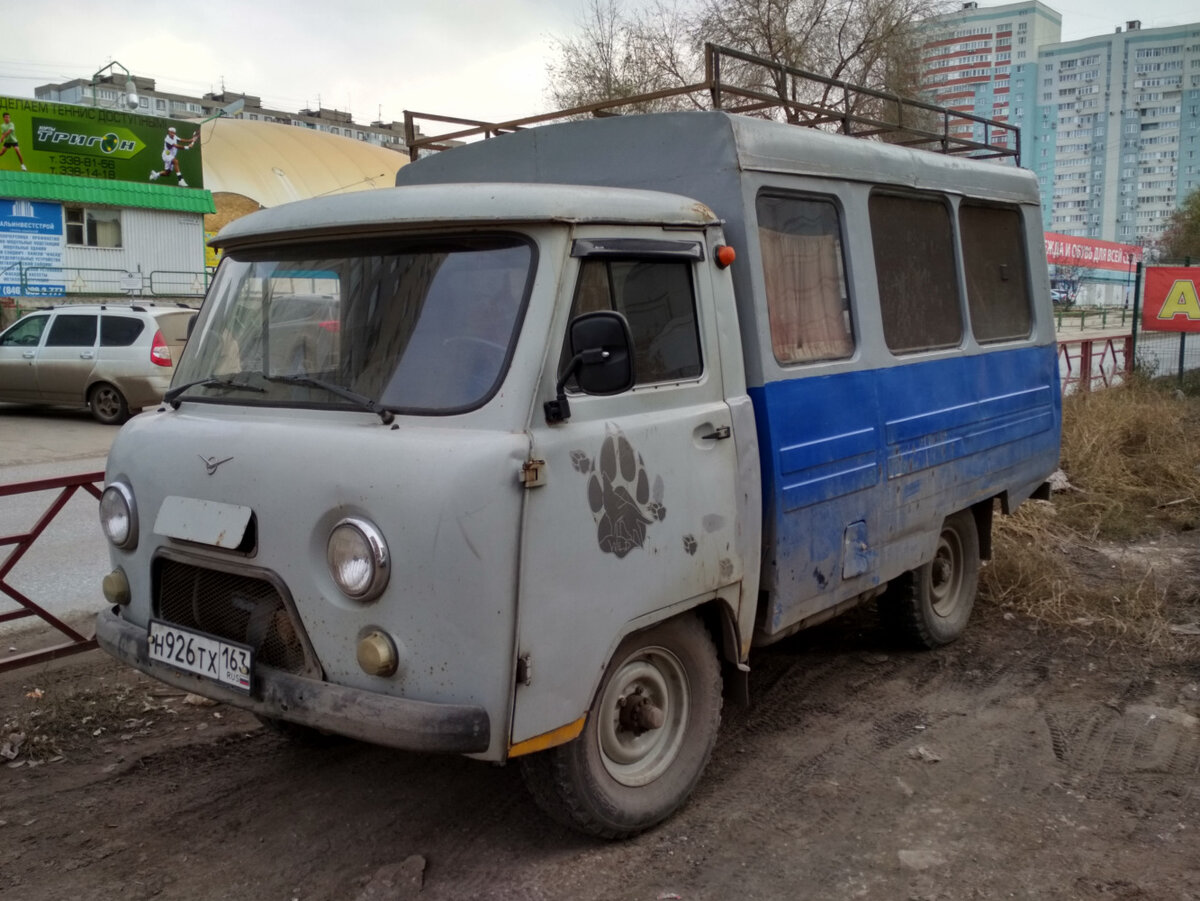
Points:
(108, 404)
(930, 605)
(649, 734)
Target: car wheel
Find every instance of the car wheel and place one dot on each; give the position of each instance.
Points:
(108, 404)
(648, 736)
(930, 606)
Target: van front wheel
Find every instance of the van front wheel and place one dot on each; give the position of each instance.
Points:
(648, 736)
(930, 606)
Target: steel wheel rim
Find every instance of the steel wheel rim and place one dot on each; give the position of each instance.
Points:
(637, 759)
(946, 574)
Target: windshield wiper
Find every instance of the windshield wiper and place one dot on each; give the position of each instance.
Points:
(220, 381)
(359, 400)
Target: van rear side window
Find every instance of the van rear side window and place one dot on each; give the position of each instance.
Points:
(918, 281)
(993, 246)
(805, 278)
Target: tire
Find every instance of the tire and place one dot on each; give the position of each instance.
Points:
(108, 404)
(623, 775)
(300, 735)
(929, 606)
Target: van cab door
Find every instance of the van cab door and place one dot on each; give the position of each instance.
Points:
(637, 510)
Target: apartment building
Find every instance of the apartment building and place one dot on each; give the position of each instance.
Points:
(111, 91)
(1117, 131)
(984, 61)
(1110, 124)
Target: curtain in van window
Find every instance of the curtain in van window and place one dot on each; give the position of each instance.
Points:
(806, 304)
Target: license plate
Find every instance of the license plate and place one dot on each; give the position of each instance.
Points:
(194, 652)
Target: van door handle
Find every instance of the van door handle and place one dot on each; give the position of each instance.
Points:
(87, 355)
(29, 355)
(722, 431)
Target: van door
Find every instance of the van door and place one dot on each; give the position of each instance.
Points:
(67, 358)
(637, 510)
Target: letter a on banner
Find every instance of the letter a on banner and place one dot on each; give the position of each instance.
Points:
(1172, 302)
(1181, 301)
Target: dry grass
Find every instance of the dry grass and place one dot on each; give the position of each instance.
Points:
(1105, 555)
(1133, 459)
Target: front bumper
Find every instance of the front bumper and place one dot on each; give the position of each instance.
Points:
(368, 716)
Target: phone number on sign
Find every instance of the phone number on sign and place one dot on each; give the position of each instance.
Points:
(71, 164)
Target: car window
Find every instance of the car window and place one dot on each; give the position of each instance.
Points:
(72, 330)
(25, 333)
(119, 331)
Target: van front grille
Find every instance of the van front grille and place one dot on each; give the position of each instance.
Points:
(231, 606)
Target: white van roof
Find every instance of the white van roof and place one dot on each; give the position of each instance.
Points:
(399, 209)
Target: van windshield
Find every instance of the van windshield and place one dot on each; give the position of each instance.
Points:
(413, 327)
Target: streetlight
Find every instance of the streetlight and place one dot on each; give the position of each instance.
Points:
(131, 97)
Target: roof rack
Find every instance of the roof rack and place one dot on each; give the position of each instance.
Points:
(771, 90)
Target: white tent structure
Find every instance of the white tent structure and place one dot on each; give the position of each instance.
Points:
(271, 164)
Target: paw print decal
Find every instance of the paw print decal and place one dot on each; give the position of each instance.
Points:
(620, 494)
(581, 461)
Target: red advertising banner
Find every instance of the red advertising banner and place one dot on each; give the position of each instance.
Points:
(1064, 250)
(1169, 299)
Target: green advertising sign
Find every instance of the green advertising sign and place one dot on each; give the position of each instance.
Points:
(94, 142)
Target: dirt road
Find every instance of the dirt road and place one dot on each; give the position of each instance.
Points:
(1019, 763)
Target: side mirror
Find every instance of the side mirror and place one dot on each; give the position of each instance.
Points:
(601, 359)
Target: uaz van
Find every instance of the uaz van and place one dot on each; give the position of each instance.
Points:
(609, 403)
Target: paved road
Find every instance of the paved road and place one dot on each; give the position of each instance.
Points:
(63, 568)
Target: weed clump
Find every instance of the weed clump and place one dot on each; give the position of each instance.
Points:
(1111, 553)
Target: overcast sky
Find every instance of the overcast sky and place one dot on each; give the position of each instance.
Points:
(483, 60)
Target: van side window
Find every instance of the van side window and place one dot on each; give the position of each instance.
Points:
(804, 272)
(918, 280)
(656, 297)
(993, 246)
(72, 330)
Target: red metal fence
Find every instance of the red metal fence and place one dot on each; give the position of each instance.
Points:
(1088, 363)
(68, 486)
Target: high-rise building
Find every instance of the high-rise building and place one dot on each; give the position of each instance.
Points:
(1116, 131)
(984, 61)
(1110, 124)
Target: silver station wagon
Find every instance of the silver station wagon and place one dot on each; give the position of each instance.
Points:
(116, 358)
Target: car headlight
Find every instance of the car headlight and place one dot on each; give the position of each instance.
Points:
(118, 516)
(358, 559)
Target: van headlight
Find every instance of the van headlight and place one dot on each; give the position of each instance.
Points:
(358, 559)
(118, 516)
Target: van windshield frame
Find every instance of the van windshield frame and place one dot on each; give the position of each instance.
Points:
(415, 325)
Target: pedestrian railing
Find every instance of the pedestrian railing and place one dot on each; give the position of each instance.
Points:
(1085, 364)
(67, 487)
